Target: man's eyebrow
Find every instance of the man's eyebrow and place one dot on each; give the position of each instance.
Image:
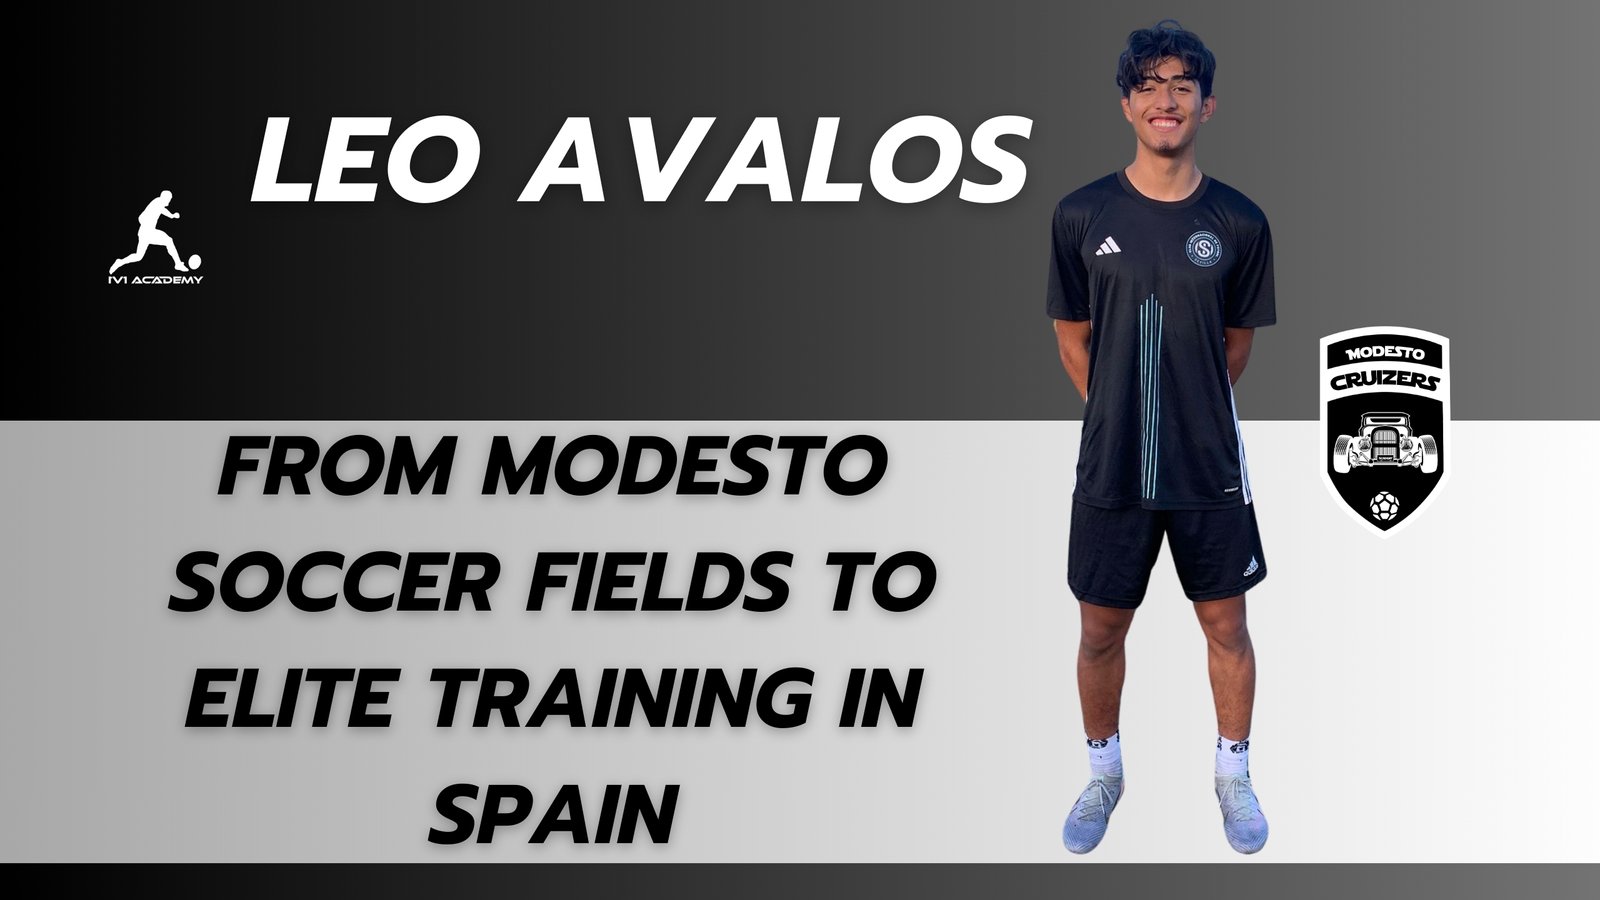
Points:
(1151, 76)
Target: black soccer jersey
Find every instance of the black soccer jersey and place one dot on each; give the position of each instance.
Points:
(1159, 281)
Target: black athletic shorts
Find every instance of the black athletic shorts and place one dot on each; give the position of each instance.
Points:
(1110, 552)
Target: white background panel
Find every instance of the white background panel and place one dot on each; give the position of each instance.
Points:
(1426, 697)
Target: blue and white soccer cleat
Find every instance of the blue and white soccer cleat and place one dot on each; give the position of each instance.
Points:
(1242, 819)
(1086, 824)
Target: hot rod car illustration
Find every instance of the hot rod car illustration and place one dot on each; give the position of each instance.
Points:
(1386, 439)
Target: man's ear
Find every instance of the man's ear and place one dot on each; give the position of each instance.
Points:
(1127, 111)
(1207, 109)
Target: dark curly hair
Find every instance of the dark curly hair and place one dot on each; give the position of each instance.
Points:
(1147, 47)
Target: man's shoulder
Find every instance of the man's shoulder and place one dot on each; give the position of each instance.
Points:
(1090, 197)
(1235, 202)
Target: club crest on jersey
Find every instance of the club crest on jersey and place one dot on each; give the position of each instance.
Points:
(1385, 421)
(1204, 249)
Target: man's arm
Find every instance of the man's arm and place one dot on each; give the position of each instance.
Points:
(168, 213)
(1237, 343)
(1072, 340)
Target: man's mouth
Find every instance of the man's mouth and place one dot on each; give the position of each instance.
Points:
(1164, 123)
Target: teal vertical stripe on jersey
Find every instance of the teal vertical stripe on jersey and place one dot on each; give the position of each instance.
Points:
(1144, 397)
(1155, 439)
(1150, 398)
(1151, 319)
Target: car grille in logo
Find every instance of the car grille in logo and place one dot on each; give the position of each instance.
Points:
(1385, 443)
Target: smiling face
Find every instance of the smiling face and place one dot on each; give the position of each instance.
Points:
(1166, 109)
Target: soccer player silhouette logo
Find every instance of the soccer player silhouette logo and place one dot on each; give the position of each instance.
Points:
(150, 234)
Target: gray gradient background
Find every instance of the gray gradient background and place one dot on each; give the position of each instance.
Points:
(1424, 164)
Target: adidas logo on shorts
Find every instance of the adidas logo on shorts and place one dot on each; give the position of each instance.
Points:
(1251, 569)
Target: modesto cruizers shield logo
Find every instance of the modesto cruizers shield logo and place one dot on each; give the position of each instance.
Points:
(1385, 421)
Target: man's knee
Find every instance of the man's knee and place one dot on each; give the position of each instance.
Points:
(1104, 630)
(1224, 624)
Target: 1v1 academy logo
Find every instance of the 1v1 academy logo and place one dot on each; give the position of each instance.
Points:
(1385, 421)
(151, 235)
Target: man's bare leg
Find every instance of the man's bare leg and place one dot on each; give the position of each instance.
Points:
(1232, 663)
(1102, 663)
(1101, 666)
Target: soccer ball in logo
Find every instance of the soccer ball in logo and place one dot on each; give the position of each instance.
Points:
(1385, 507)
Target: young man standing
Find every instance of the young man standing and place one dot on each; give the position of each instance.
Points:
(1158, 276)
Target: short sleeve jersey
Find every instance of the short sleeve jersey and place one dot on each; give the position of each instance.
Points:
(1159, 281)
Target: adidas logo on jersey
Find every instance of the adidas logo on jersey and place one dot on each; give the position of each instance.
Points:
(1109, 245)
(1251, 569)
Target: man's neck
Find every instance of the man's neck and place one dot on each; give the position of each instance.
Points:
(1164, 178)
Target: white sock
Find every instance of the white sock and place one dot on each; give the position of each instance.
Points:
(1233, 757)
(1105, 756)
